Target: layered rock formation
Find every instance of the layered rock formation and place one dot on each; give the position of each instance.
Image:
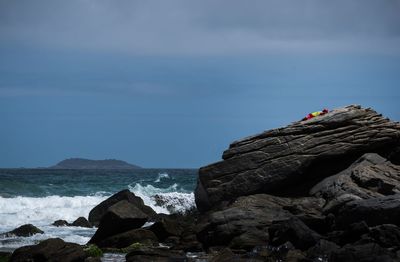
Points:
(287, 161)
(325, 188)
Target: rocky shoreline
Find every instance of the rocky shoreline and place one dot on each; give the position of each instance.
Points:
(324, 189)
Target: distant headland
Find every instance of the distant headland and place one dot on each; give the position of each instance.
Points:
(82, 163)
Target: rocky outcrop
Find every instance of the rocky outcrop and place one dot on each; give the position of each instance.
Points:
(24, 231)
(120, 217)
(249, 218)
(288, 161)
(51, 250)
(98, 212)
(127, 238)
(371, 176)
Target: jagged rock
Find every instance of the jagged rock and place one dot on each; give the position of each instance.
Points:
(294, 231)
(127, 238)
(155, 255)
(120, 217)
(81, 222)
(251, 216)
(51, 250)
(60, 223)
(25, 231)
(289, 161)
(97, 212)
(374, 211)
(370, 176)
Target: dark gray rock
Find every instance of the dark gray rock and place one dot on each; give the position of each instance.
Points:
(81, 222)
(120, 217)
(294, 231)
(166, 227)
(386, 235)
(370, 176)
(51, 250)
(128, 238)
(374, 211)
(60, 223)
(370, 252)
(155, 255)
(250, 216)
(322, 250)
(289, 161)
(25, 231)
(97, 212)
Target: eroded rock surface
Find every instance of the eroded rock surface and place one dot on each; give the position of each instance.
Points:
(288, 161)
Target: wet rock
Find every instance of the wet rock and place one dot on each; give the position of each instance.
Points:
(295, 231)
(120, 217)
(25, 231)
(60, 223)
(128, 238)
(155, 255)
(52, 250)
(97, 212)
(289, 161)
(81, 222)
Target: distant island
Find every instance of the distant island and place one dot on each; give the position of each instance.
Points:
(82, 163)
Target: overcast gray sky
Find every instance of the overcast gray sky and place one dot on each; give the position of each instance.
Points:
(171, 83)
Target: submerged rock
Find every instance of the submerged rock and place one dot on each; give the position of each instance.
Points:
(288, 161)
(52, 250)
(98, 212)
(60, 223)
(24, 231)
(81, 222)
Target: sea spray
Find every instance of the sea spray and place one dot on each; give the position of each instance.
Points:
(173, 199)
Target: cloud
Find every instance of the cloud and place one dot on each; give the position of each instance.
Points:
(203, 27)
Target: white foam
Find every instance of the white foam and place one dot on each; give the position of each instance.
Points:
(42, 211)
(148, 192)
(161, 176)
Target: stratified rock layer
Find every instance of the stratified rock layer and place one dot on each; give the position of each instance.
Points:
(289, 161)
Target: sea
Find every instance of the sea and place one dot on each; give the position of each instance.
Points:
(42, 196)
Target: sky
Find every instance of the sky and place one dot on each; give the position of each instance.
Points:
(173, 83)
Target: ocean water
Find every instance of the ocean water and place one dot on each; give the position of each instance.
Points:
(41, 196)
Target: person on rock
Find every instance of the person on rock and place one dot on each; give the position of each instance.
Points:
(314, 114)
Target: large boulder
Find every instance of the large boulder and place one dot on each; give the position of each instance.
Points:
(51, 250)
(120, 217)
(245, 222)
(370, 176)
(288, 161)
(98, 211)
(374, 211)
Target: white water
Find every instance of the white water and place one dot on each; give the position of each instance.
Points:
(43, 211)
(161, 176)
(180, 201)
